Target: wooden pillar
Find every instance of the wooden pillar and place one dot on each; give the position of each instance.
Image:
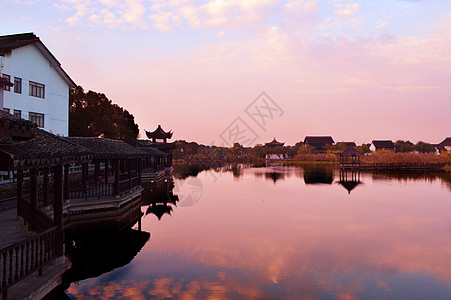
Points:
(106, 171)
(33, 197)
(46, 186)
(19, 191)
(84, 174)
(138, 171)
(129, 167)
(96, 171)
(116, 176)
(58, 208)
(66, 182)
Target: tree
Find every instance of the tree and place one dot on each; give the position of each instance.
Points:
(93, 114)
(401, 146)
(423, 147)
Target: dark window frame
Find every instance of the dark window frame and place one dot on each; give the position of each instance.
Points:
(36, 118)
(17, 113)
(17, 85)
(37, 89)
(7, 87)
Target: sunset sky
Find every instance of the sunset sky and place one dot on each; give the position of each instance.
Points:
(355, 70)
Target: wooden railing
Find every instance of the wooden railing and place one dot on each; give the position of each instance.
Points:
(91, 190)
(38, 220)
(22, 259)
(403, 166)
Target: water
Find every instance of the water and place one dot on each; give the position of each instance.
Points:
(291, 232)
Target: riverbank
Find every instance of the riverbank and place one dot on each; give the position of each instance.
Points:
(401, 161)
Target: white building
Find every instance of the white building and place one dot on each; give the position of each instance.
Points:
(40, 91)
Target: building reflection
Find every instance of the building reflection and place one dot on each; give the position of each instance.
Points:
(274, 176)
(317, 174)
(159, 198)
(95, 254)
(349, 179)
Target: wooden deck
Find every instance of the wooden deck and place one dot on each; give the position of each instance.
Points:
(393, 166)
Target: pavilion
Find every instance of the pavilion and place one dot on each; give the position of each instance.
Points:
(274, 143)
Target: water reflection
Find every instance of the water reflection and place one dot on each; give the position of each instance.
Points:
(159, 198)
(254, 239)
(318, 174)
(96, 254)
(349, 179)
(274, 176)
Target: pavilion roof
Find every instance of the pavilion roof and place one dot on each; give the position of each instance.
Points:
(350, 151)
(159, 133)
(274, 142)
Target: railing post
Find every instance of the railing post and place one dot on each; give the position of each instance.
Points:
(58, 209)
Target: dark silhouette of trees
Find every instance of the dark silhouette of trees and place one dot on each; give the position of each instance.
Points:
(93, 114)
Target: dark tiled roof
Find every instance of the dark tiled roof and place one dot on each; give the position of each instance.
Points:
(346, 143)
(13, 41)
(108, 148)
(350, 151)
(383, 144)
(159, 133)
(14, 128)
(446, 142)
(153, 151)
(318, 140)
(274, 142)
(43, 150)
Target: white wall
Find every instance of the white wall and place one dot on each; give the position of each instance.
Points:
(30, 64)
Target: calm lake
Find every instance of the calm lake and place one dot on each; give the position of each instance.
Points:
(288, 232)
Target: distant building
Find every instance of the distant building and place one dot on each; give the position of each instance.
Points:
(33, 84)
(446, 144)
(382, 145)
(274, 143)
(319, 142)
(276, 156)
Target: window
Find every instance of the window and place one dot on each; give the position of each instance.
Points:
(7, 88)
(6, 109)
(36, 118)
(18, 85)
(17, 113)
(37, 89)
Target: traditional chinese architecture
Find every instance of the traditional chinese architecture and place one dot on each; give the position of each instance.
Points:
(382, 145)
(446, 144)
(40, 157)
(274, 143)
(350, 157)
(65, 184)
(319, 142)
(161, 149)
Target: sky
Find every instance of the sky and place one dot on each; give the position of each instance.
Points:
(219, 72)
